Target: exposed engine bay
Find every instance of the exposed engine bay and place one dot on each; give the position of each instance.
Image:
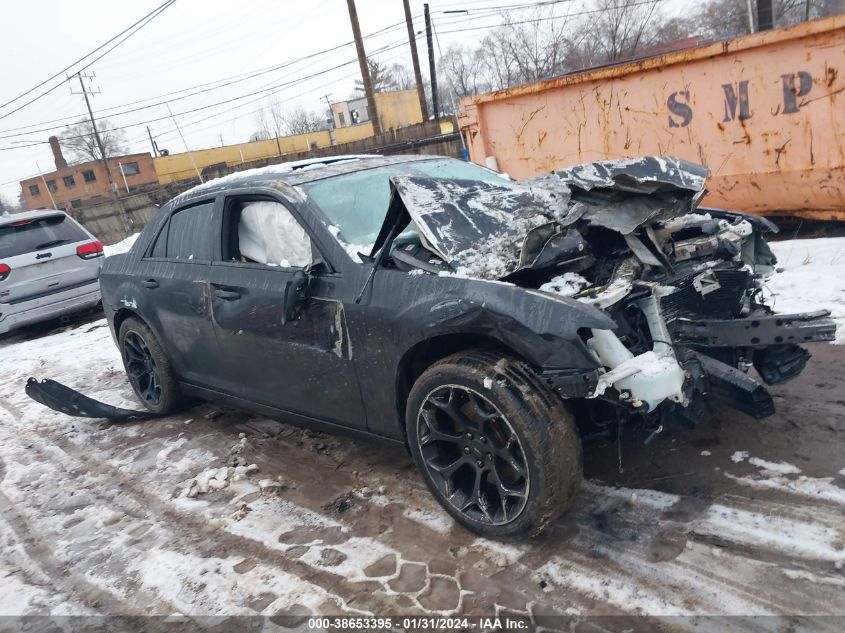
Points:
(686, 286)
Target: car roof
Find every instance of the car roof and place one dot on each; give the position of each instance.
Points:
(300, 172)
(25, 216)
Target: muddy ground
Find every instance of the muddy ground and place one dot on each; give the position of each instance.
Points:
(736, 517)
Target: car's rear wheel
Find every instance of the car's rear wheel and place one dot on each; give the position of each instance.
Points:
(496, 447)
(148, 368)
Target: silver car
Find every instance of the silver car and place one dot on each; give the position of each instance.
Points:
(49, 267)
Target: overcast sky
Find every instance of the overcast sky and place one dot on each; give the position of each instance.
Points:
(197, 42)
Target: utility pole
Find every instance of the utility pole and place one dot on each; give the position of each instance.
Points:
(152, 142)
(412, 40)
(435, 103)
(127, 222)
(765, 17)
(185, 143)
(750, 16)
(49, 193)
(331, 120)
(102, 149)
(365, 68)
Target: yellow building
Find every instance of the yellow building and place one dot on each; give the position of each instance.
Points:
(396, 109)
(399, 108)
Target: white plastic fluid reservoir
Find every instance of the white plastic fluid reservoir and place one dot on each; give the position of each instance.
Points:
(657, 377)
(610, 349)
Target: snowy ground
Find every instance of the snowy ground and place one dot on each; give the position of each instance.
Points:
(812, 277)
(739, 517)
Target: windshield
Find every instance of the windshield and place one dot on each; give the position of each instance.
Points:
(26, 236)
(356, 203)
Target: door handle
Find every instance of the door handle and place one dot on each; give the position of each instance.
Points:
(150, 283)
(227, 295)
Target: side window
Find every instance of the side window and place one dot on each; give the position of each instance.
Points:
(188, 233)
(159, 248)
(265, 232)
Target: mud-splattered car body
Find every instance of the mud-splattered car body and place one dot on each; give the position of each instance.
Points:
(678, 288)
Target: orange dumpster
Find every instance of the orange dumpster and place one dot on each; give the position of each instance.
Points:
(763, 112)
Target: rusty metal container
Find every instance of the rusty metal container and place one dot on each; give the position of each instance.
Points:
(763, 112)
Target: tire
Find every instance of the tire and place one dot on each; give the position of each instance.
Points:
(466, 409)
(142, 358)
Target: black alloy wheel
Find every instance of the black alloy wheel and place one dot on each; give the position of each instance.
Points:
(497, 448)
(473, 455)
(142, 369)
(148, 368)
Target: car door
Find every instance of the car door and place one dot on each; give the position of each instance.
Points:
(300, 361)
(172, 280)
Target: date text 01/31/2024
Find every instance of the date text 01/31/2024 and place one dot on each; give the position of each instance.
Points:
(422, 623)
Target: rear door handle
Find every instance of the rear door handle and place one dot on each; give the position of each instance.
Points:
(150, 283)
(227, 295)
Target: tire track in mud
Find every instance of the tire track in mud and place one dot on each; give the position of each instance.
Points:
(590, 549)
(731, 565)
(196, 536)
(660, 576)
(697, 569)
(63, 578)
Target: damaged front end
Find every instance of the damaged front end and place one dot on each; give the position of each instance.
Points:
(684, 285)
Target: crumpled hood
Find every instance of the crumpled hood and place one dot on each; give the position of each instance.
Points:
(646, 174)
(490, 230)
(479, 226)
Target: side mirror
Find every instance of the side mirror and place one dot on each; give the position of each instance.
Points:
(296, 292)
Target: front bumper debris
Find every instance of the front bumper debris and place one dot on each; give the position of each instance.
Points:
(735, 388)
(63, 399)
(780, 363)
(755, 331)
(569, 384)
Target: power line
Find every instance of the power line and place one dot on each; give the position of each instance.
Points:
(137, 26)
(227, 82)
(203, 119)
(262, 92)
(240, 116)
(551, 17)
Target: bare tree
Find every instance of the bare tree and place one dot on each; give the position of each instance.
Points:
(519, 51)
(463, 65)
(5, 205)
(382, 77)
(302, 121)
(79, 140)
(537, 46)
(9, 206)
(402, 76)
(723, 19)
(622, 27)
(269, 121)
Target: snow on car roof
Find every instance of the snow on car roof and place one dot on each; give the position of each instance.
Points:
(277, 169)
(29, 215)
(298, 172)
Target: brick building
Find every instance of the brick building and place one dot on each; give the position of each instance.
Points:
(86, 184)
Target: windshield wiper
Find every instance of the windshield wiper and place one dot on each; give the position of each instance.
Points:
(50, 244)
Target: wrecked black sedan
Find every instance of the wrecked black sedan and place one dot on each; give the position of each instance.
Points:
(484, 323)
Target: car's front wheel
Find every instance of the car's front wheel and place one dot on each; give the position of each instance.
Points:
(148, 368)
(496, 447)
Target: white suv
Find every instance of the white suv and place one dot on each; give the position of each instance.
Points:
(49, 267)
